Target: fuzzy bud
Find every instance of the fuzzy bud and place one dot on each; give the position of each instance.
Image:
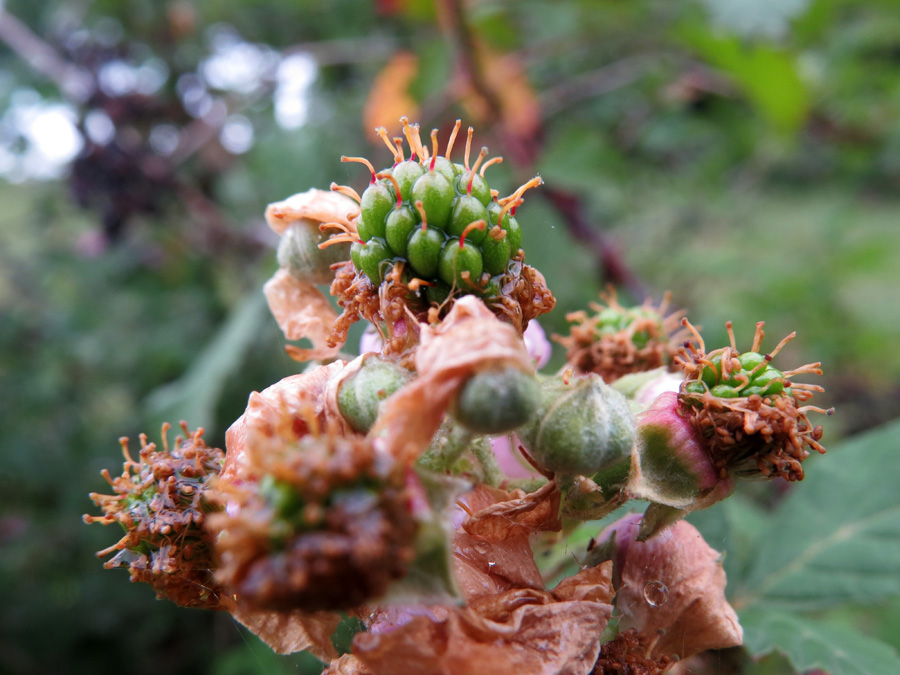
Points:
(581, 427)
(300, 254)
(669, 465)
(497, 400)
(361, 393)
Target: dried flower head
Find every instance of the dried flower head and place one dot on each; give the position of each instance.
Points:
(747, 414)
(162, 501)
(617, 340)
(316, 519)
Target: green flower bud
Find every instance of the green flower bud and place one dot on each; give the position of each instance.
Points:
(581, 427)
(300, 254)
(497, 401)
(360, 396)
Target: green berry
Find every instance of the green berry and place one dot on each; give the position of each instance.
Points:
(480, 188)
(495, 254)
(424, 251)
(467, 210)
(456, 260)
(438, 293)
(497, 401)
(751, 360)
(695, 387)
(355, 250)
(398, 228)
(406, 173)
(445, 167)
(724, 391)
(768, 377)
(510, 224)
(436, 194)
(377, 202)
(374, 258)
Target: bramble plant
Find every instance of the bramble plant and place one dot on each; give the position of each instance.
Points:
(411, 486)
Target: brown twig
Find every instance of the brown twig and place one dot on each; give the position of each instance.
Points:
(71, 80)
(524, 151)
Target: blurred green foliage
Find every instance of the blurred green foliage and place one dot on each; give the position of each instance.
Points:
(745, 155)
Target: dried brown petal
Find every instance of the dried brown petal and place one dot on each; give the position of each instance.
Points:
(347, 665)
(279, 414)
(494, 555)
(469, 338)
(318, 206)
(302, 311)
(289, 632)
(520, 515)
(519, 632)
(673, 585)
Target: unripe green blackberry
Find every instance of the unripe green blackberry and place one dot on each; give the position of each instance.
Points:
(749, 416)
(436, 217)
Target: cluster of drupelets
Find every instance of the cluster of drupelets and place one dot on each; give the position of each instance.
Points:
(440, 217)
(409, 486)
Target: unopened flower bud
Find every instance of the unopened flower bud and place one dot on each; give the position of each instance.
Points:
(497, 400)
(581, 427)
(361, 394)
(670, 466)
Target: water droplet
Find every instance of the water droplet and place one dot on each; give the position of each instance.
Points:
(491, 565)
(656, 593)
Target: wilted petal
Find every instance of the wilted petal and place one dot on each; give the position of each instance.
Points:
(302, 311)
(674, 585)
(468, 339)
(519, 632)
(318, 206)
(289, 632)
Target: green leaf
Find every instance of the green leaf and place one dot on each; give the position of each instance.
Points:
(812, 643)
(836, 538)
(193, 397)
(768, 75)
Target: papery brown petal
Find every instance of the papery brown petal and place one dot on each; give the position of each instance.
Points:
(319, 206)
(469, 338)
(592, 583)
(302, 311)
(483, 567)
(675, 584)
(347, 665)
(520, 632)
(284, 404)
(518, 517)
(289, 632)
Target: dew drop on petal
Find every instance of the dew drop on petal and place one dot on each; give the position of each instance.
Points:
(656, 593)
